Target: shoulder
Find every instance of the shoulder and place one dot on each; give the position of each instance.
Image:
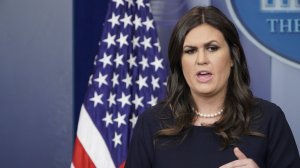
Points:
(268, 109)
(155, 113)
(266, 105)
(153, 116)
(270, 115)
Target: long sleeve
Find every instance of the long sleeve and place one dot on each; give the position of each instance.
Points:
(141, 148)
(282, 149)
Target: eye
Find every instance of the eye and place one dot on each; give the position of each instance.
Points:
(190, 51)
(212, 48)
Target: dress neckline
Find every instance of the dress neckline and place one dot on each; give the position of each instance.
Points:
(203, 128)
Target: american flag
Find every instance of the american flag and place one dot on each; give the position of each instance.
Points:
(129, 76)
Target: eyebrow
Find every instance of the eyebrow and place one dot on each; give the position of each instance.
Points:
(205, 44)
(189, 46)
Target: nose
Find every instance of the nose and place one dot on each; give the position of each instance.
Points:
(201, 58)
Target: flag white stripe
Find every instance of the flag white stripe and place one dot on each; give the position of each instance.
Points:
(93, 142)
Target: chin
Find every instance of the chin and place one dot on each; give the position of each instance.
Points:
(204, 92)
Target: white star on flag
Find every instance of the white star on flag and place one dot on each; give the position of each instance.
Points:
(153, 101)
(144, 63)
(155, 82)
(131, 61)
(146, 43)
(106, 60)
(157, 45)
(111, 99)
(101, 80)
(118, 60)
(120, 119)
(133, 120)
(115, 79)
(148, 23)
(108, 119)
(90, 79)
(137, 22)
(127, 80)
(142, 82)
(122, 40)
(97, 99)
(118, 2)
(117, 139)
(135, 42)
(138, 101)
(157, 63)
(124, 100)
(140, 4)
(110, 40)
(126, 20)
(114, 20)
(130, 3)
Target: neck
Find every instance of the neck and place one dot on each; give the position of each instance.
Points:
(209, 105)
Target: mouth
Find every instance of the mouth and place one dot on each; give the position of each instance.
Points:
(204, 76)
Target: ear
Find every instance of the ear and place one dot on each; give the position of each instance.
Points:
(231, 61)
(235, 54)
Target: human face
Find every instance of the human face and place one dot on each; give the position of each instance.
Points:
(206, 61)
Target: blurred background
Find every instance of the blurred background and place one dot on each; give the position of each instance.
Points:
(47, 49)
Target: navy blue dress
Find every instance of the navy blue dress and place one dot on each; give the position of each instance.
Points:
(201, 148)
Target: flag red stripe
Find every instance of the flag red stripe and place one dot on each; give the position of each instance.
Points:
(80, 158)
(122, 165)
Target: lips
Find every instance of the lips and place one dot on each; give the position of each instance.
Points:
(204, 76)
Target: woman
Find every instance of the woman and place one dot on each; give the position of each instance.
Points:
(210, 118)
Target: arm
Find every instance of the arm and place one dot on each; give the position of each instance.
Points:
(282, 150)
(141, 147)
